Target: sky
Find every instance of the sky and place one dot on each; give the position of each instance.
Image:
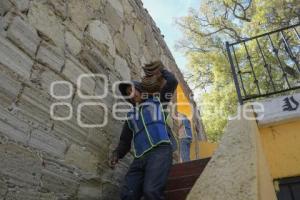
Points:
(164, 13)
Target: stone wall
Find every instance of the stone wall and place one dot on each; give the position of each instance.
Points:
(42, 41)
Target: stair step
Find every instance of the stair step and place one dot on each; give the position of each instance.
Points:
(188, 168)
(179, 194)
(181, 182)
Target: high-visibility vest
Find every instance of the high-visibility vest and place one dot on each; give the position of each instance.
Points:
(187, 128)
(148, 124)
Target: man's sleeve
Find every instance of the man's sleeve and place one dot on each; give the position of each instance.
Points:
(168, 89)
(125, 141)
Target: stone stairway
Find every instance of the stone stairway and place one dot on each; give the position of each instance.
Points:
(182, 178)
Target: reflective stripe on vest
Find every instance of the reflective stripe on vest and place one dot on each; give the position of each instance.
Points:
(148, 125)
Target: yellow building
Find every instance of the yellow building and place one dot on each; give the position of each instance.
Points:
(200, 147)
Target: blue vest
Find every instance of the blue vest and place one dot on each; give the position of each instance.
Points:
(187, 128)
(147, 122)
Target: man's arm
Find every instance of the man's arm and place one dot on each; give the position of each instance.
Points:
(125, 141)
(169, 88)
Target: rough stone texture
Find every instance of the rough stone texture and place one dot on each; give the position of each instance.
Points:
(73, 44)
(100, 32)
(13, 128)
(122, 67)
(48, 143)
(73, 70)
(45, 21)
(131, 39)
(50, 56)
(25, 36)
(43, 41)
(80, 157)
(3, 189)
(20, 164)
(21, 5)
(9, 87)
(112, 17)
(5, 5)
(14, 58)
(90, 191)
(59, 179)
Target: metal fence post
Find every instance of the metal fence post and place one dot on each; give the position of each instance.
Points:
(236, 82)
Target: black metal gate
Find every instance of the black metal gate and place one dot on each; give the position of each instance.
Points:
(266, 64)
(289, 189)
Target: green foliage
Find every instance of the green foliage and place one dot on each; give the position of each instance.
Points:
(206, 30)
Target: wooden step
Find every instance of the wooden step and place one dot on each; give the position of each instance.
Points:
(183, 177)
(189, 168)
(181, 182)
(179, 194)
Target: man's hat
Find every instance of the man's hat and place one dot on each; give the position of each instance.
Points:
(123, 86)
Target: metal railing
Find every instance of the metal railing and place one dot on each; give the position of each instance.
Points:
(266, 64)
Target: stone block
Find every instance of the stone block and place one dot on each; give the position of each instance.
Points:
(90, 114)
(47, 142)
(80, 157)
(139, 29)
(51, 56)
(3, 189)
(121, 46)
(45, 77)
(45, 21)
(22, 5)
(112, 17)
(20, 164)
(72, 27)
(73, 70)
(99, 31)
(96, 60)
(59, 179)
(5, 5)
(34, 108)
(13, 128)
(122, 67)
(2, 27)
(90, 190)
(23, 193)
(9, 87)
(73, 44)
(131, 39)
(70, 131)
(109, 192)
(97, 141)
(14, 58)
(60, 7)
(79, 13)
(28, 194)
(24, 36)
(117, 5)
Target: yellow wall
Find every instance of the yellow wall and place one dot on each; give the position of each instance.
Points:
(281, 144)
(206, 149)
(183, 103)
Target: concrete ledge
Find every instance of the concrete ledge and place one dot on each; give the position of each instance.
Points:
(238, 169)
(278, 110)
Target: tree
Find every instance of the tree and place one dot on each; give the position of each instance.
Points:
(206, 30)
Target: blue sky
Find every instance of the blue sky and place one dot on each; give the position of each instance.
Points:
(164, 13)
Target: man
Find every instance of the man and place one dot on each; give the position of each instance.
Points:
(185, 137)
(149, 171)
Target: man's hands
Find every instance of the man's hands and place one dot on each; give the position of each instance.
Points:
(114, 159)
